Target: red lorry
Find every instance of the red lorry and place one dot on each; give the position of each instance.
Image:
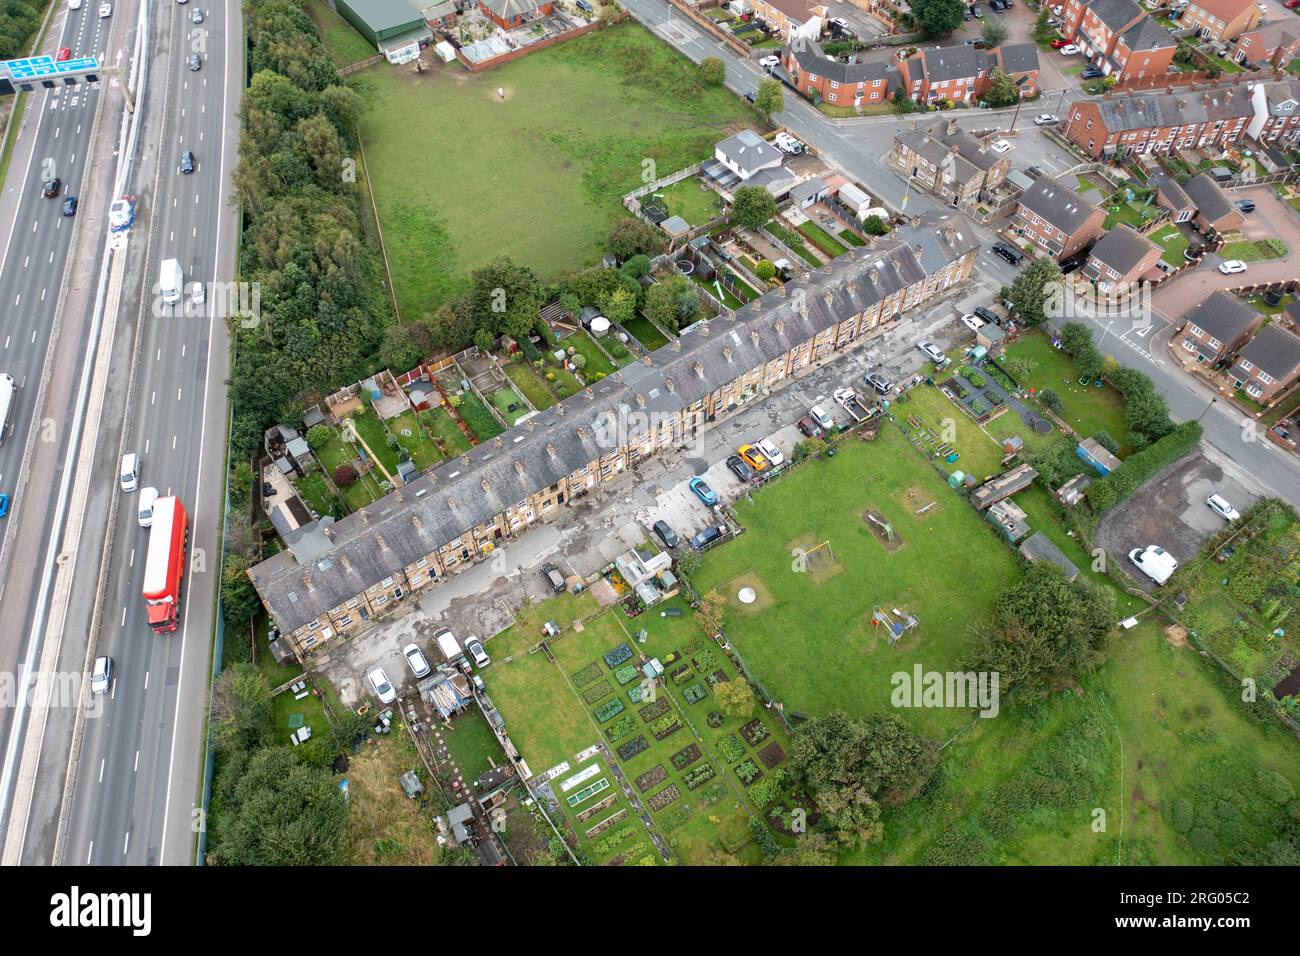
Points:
(165, 564)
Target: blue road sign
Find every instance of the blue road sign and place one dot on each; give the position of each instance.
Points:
(36, 67)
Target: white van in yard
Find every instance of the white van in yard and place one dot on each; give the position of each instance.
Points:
(1155, 562)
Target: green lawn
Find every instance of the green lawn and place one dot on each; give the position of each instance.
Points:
(375, 435)
(503, 399)
(442, 426)
(366, 488)
(1254, 251)
(525, 379)
(344, 43)
(588, 349)
(796, 244)
(578, 125)
(473, 746)
(315, 490)
(822, 239)
(1171, 239)
(806, 627)
(424, 451)
(645, 332)
(688, 199)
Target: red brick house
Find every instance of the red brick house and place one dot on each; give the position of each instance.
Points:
(1277, 112)
(818, 76)
(1214, 210)
(791, 18)
(1216, 328)
(1268, 364)
(1118, 38)
(1159, 122)
(1272, 44)
(960, 74)
(1220, 19)
(1172, 196)
(513, 14)
(1120, 258)
(1055, 220)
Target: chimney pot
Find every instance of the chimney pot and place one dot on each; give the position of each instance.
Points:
(550, 449)
(498, 441)
(699, 369)
(705, 328)
(519, 467)
(486, 486)
(753, 335)
(590, 391)
(669, 382)
(451, 503)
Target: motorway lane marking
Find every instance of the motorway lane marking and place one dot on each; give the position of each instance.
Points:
(123, 624)
(51, 259)
(169, 491)
(26, 259)
(178, 394)
(90, 852)
(102, 761)
(42, 295)
(131, 563)
(153, 398)
(35, 222)
(126, 843)
(7, 341)
(146, 680)
(158, 357)
(136, 768)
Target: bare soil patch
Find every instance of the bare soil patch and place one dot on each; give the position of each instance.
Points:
(883, 529)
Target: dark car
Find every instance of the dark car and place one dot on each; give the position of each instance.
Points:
(810, 428)
(196, 62)
(553, 577)
(751, 95)
(1072, 264)
(70, 206)
(737, 466)
(1245, 205)
(988, 315)
(187, 162)
(1091, 73)
(1009, 253)
(878, 381)
(1036, 172)
(666, 534)
(51, 188)
(706, 538)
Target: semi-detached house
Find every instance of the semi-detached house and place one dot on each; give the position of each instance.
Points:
(1055, 219)
(960, 74)
(1220, 19)
(840, 83)
(1119, 38)
(1268, 364)
(1216, 328)
(333, 578)
(948, 162)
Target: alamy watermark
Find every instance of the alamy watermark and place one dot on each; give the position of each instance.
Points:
(955, 689)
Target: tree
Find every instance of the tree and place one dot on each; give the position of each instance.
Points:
(241, 708)
(1075, 337)
(904, 104)
(637, 266)
(810, 849)
(1051, 400)
(769, 100)
(712, 71)
(672, 303)
(1002, 90)
(853, 765)
(630, 237)
(752, 206)
(1056, 463)
(993, 33)
(484, 340)
(1045, 628)
(318, 436)
(1044, 32)
(345, 475)
(282, 813)
(454, 855)
(505, 298)
(709, 613)
(938, 18)
(875, 225)
(619, 306)
(1037, 283)
(736, 698)
(765, 270)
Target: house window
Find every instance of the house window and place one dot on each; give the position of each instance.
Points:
(381, 600)
(1253, 390)
(397, 593)
(352, 602)
(345, 621)
(1189, 345)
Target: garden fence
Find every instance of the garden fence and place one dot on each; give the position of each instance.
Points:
(768, 701)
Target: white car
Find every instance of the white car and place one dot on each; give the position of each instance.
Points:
(1069, 50)
(930, 351)
(101, 677)
(1046, 119)
(972, 321)
(1221, 507)
(824, 421)
(1000, 146)
(105, 9)
(1232, 267)
(770, 62)
(144, 510)
(197, 294)
(787, 143)
(415, 659)
(844, 396)
(74, 4)
(474, 648)
(382, 686)
(768, 448)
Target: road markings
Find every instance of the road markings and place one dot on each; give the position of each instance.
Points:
(178, 394)
(131, 562)
(126, 843)
(146, 680)
(123, 624)
(90, 852)
(102, 761)
(136, 768)
(26, 259)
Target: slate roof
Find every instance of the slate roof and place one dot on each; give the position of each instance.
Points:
(925, 145)
(1057, 203)
(1115, 13)
(1018, 58)
(1275, 350)
(1283, 97)
(1147, 34)
(1210, 200)
(1224, 316)
(811, 59)
(1225, 10)
(749, 151)
(954, 62)
(387, 535)
(1147, 110)
(1122, 248)
(1039, 547)
(1273, 34)
(1175, 195)
(509, 9)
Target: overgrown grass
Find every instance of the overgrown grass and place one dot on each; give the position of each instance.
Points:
(345, 44)
(478, 418)
(1255, 250)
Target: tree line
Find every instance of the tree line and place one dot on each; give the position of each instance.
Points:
(19, 20)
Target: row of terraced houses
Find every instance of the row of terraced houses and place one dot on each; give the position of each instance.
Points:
(336, 576)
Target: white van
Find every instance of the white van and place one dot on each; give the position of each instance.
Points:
(1155, 562)
(144, 511)
(171, 280)
(8, 391)
(448, 645)
(129, 472)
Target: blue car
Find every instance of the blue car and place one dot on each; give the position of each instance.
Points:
(4, 505)
(702, 491)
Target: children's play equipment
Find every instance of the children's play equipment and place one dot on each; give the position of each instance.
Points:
(896, 622)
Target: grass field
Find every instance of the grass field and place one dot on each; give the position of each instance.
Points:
(806, 626)
(644, 331)
(1173, 242)
(694, 204)
(384, 825)
(456, 169)
(1254, 251)
(344, 43)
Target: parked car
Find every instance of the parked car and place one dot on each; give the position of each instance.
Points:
(787, 144)
(382, 686)
(1073, 263)
(770, 63)
(976, 12)
(773, 453)
(1046, 119)
(70, 206)
(881, 384)
(101, 675)
(707, 537)
(754, 458)
(1059, 42)
(818, 414)
(1034, 172)
(736, 465)
(972, 321)
(1091, 73)
(553, 577)
(1000, 146)
(751, 95)
(50, 188)
(1220, 506)
(1155, 562)
(988, 315)
(474, 648)
(700, 488)
(186, 163)
(1247, 205)
(666, 534)
(810, 427)
(415, 660)
(844, 396)
(930, 351)
(1069, 50)
(1010, 253)
(1232, 267)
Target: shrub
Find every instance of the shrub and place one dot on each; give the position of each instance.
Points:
(344, 475)
(1142, 465)
(1051, 401)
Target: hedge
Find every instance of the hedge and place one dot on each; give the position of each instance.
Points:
(1141, 466)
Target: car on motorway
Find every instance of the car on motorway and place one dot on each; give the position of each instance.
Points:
(808, 425)
(382, 686)
(144, 510)
(50, 188)
(754, 458)
(101, 675)
(972, 321)
(65, 53)
(878, 381)
(1232, 267)
(4, 504)
(1221, 507)
(105, 10)
(818, 414)
(1245, 205)
(773, 453)
(553, 577)
(70, 206)
(1000, 146)
(128, 471)
(198, 295)
(700, 488)
(197, 15)
(1069, 50)
(187, 162)
(474, 648)
(1010, 253)
(930, 351)
(195, 62)
(666, 533)
(988, 315)
(1046, 119)
(416, 660)
(74, 4)
(1091, 73)
(737, 466)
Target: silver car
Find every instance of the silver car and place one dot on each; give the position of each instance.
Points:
(101, 677)
(474, 648)
(415, 659)
(930, 351)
